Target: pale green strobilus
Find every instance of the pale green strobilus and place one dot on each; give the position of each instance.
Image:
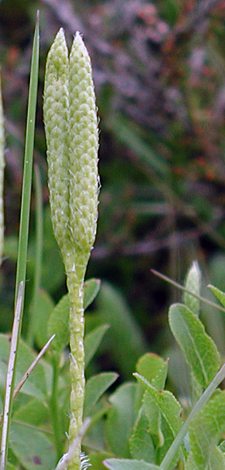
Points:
(72, 146)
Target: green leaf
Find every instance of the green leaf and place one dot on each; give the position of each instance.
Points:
(199, 349)
(140, 442)
(193, 284)
(92, 341)
(95, 388)
(33, 449)
(153, 368)
(34, 412)
(120, 419)
(9, 466)
(41, 313)
(96, 460)
(205, 431)
(35, 384)
(125, 342)
(91, 290)
(217, 461)
(218, 294)
(163, 413)
(58, 323)
(126, 464)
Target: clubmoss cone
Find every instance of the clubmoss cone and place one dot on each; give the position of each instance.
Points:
(72, 144)
(72, 150)
(56, 118)
(83, 149)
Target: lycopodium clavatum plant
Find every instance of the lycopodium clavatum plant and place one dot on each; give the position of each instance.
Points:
(71, 128)
(170, 414)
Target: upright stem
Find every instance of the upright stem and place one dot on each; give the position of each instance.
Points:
(75, 281)
(55, 407)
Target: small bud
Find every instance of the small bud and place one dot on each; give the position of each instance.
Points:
(193, 284)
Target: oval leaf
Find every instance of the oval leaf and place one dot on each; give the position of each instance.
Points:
(91, 290)
(92, 341)
(153, 368)
(126, 464)
(205, 431)
(199, 349)
(33, 449)
(95, 388)
(58, 323)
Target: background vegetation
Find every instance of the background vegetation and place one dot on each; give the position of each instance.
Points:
(159, 70)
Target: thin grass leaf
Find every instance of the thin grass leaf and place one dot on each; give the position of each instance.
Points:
(38, 253)
(28, 163)
(219, 377)
(2, 164)
(205, 431)
(9, 379)
(32, 366)
(179, 286)
(23, 235)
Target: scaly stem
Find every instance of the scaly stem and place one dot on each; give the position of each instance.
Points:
(55, 408)
(75, 281)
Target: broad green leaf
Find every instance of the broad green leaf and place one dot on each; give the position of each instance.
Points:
(34, 412)
(58, 323)
(140, 442)
(33, 448)
(40, 316)
(126, 464)
(120, 419)
(218, 294)
(193, 284)
(125, 342)
(96, 460)
(163, 413)
(9, 466)
(95, 388)
(217, 461)
(153, 368)
(205, 431)
(199, 349)
(35, 384)
(91, 290)
(154, 417)
(92, 341)
(222, 446)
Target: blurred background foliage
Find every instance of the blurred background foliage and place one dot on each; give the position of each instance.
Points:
(159, 71)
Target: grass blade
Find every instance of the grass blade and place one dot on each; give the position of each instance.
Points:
(23, 243)
(2, 164)
(219, 377)
(32, 366)
(10, 378)
(28, 164)
(38, 253)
